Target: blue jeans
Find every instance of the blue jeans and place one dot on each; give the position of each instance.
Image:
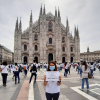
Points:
(17, 75)
(92, 72)
(86, 79)
(54, 96)
(80, 72)
(66, 71)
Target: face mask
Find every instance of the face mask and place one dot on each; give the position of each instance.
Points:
(52, 67)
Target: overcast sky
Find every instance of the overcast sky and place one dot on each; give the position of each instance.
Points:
(84, 13)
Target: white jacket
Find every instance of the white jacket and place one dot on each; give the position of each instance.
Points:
(85, 72)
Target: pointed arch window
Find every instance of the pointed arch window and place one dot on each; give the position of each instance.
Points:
(63, 39)
(25, 47)
(35, 37)
(71, 49)
(63, 49)
(50, 26)
(50, 40)
(36, 47)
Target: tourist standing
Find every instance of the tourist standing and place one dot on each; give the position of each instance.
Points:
(66, 69)
(33, 71)
(99, 66)
(4, 73)
(17, 73)
(25, 66)
(92, 68)
(69, 66)
(52, 87)
(13, 69)
(85, 71)
(80, 67)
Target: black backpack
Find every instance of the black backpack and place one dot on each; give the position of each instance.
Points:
(33, 68)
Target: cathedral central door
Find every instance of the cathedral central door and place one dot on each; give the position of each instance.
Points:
(36, 59)
(50, 57)
(71, 59)
(25, 59)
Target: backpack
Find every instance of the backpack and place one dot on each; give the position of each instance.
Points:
(33, 68)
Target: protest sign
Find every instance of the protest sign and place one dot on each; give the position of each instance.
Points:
(52, 75)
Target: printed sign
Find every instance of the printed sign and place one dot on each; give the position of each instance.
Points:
(52, 75)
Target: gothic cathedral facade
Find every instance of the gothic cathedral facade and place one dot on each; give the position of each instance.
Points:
(46, 39)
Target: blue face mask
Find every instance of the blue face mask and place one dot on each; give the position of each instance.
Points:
(52, 67)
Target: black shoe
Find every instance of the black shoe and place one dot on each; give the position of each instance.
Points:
(34, 81)
(15, 83)
(18, 82)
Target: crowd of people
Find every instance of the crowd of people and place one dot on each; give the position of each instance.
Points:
(52, 87)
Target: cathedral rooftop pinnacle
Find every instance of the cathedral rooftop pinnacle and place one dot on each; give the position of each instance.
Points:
(41, 10)
(44, 10)
(58, 12)
(20, 25)
(55, 12)
(16, 26)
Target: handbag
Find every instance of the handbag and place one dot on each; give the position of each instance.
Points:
(89, 76)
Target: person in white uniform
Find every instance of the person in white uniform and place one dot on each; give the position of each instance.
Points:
(16, 73)
(52, 87)
(33, 71)
(25, 66)
(4, 73)
(85, 70)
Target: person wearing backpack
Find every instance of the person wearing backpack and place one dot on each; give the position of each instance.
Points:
(33, 71)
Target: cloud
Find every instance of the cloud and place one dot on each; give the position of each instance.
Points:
(84, 13)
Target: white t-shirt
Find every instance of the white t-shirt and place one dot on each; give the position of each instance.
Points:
(92, 67)
(47, 65)
(13, 67)
(52, 87)
(24, 66)
(58, 65)
(16, 68)
(66, 67)
(4, 69)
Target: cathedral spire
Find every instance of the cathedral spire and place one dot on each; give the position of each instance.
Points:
(31, 21)
(44, 10)
(31, 16)
(58, 12)
(16, 26)
(75, 31)
(41, 10)
(20, 25)
(67, 23)
(55, 12)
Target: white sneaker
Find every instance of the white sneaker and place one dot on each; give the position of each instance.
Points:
(87, 89)
(82, 89)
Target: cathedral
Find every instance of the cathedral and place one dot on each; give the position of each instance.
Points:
(46, 39)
